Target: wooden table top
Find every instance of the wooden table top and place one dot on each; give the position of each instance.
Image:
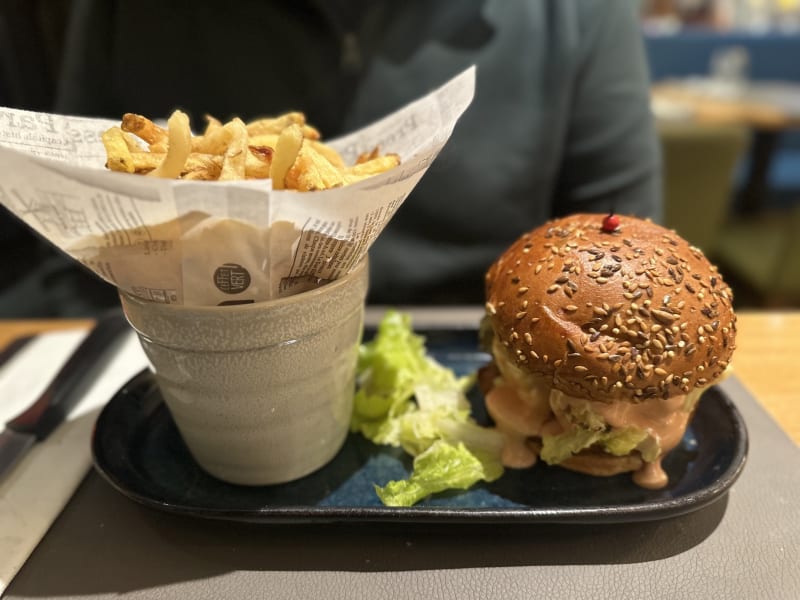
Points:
(762, 105)
(765, 361)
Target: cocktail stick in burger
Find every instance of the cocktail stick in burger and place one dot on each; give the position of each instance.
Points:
(604, 334)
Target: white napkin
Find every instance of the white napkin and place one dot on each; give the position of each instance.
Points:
(41, 484)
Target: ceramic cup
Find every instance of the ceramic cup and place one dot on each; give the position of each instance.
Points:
(261, 393)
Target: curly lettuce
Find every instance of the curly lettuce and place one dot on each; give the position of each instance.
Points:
(405, 398)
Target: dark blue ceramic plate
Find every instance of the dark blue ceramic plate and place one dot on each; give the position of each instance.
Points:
(137, 448)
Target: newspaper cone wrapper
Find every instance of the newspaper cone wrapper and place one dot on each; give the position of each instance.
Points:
(212, 243)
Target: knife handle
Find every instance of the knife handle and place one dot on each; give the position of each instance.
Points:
(56, 402)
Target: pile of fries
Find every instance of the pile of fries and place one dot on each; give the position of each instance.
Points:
(285, 149)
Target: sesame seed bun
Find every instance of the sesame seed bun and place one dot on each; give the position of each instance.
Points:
(629, 314)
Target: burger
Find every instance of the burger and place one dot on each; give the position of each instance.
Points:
(604, 332)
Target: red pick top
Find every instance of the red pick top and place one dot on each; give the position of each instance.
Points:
(610, 223)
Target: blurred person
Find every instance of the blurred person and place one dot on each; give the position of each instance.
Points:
(560, 121)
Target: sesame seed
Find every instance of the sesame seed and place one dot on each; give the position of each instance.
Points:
(663, 316)
(528, 338)
(522, 289)
(521, 314)
(570, 308)
(553, 288)
(580, 368)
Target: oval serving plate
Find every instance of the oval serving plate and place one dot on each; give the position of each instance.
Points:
(138, 450)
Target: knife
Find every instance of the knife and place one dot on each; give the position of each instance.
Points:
(11, 350)
(39, 420)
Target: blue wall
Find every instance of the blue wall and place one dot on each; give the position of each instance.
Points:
(772, 55)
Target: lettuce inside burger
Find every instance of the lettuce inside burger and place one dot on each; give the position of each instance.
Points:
(604, 331)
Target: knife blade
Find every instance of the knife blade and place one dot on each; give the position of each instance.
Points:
(53, 405)
(11, 349)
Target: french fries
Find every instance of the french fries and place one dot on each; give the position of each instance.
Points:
(119, 153)
(179, 146)
(285, 149)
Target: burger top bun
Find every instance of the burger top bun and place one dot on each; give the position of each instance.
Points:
(611, 309)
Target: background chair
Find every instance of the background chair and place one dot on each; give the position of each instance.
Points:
(699, 163)
(762, 254)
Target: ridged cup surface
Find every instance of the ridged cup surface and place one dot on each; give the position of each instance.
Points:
(261, 393)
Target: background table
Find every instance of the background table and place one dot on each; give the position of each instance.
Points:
(769, 109)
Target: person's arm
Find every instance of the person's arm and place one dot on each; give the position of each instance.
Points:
(612, 159)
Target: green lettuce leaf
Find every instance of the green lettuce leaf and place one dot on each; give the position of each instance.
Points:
(558, 448)
(624, 441)
(405, 398)
(441, 467)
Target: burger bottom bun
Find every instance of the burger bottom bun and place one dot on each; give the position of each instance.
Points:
(602, 464)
